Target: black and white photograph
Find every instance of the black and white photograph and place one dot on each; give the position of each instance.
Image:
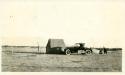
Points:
(62, 36)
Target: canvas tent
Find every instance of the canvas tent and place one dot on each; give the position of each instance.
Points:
(54, 46)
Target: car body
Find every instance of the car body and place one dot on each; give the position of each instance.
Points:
(78, 47)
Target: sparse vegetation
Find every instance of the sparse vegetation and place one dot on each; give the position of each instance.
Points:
(34, 62)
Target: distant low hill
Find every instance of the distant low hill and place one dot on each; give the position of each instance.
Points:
(21, 46)
(35, 49)
(110, 49)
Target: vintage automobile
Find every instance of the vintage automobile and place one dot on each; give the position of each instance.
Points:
(77, 48)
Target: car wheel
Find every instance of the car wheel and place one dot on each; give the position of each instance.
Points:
(68, 52)
(88, 52)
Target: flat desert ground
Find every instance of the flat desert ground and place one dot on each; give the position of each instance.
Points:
(33, 62)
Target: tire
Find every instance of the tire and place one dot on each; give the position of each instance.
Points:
(67, 52)
(88, 52)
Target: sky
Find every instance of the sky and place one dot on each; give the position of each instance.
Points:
(96, 23)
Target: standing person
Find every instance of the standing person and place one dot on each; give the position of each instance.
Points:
(105, 51)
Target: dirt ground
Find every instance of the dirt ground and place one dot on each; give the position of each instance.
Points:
(32, 62)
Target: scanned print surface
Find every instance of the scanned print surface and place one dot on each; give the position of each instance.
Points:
(62, 36)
